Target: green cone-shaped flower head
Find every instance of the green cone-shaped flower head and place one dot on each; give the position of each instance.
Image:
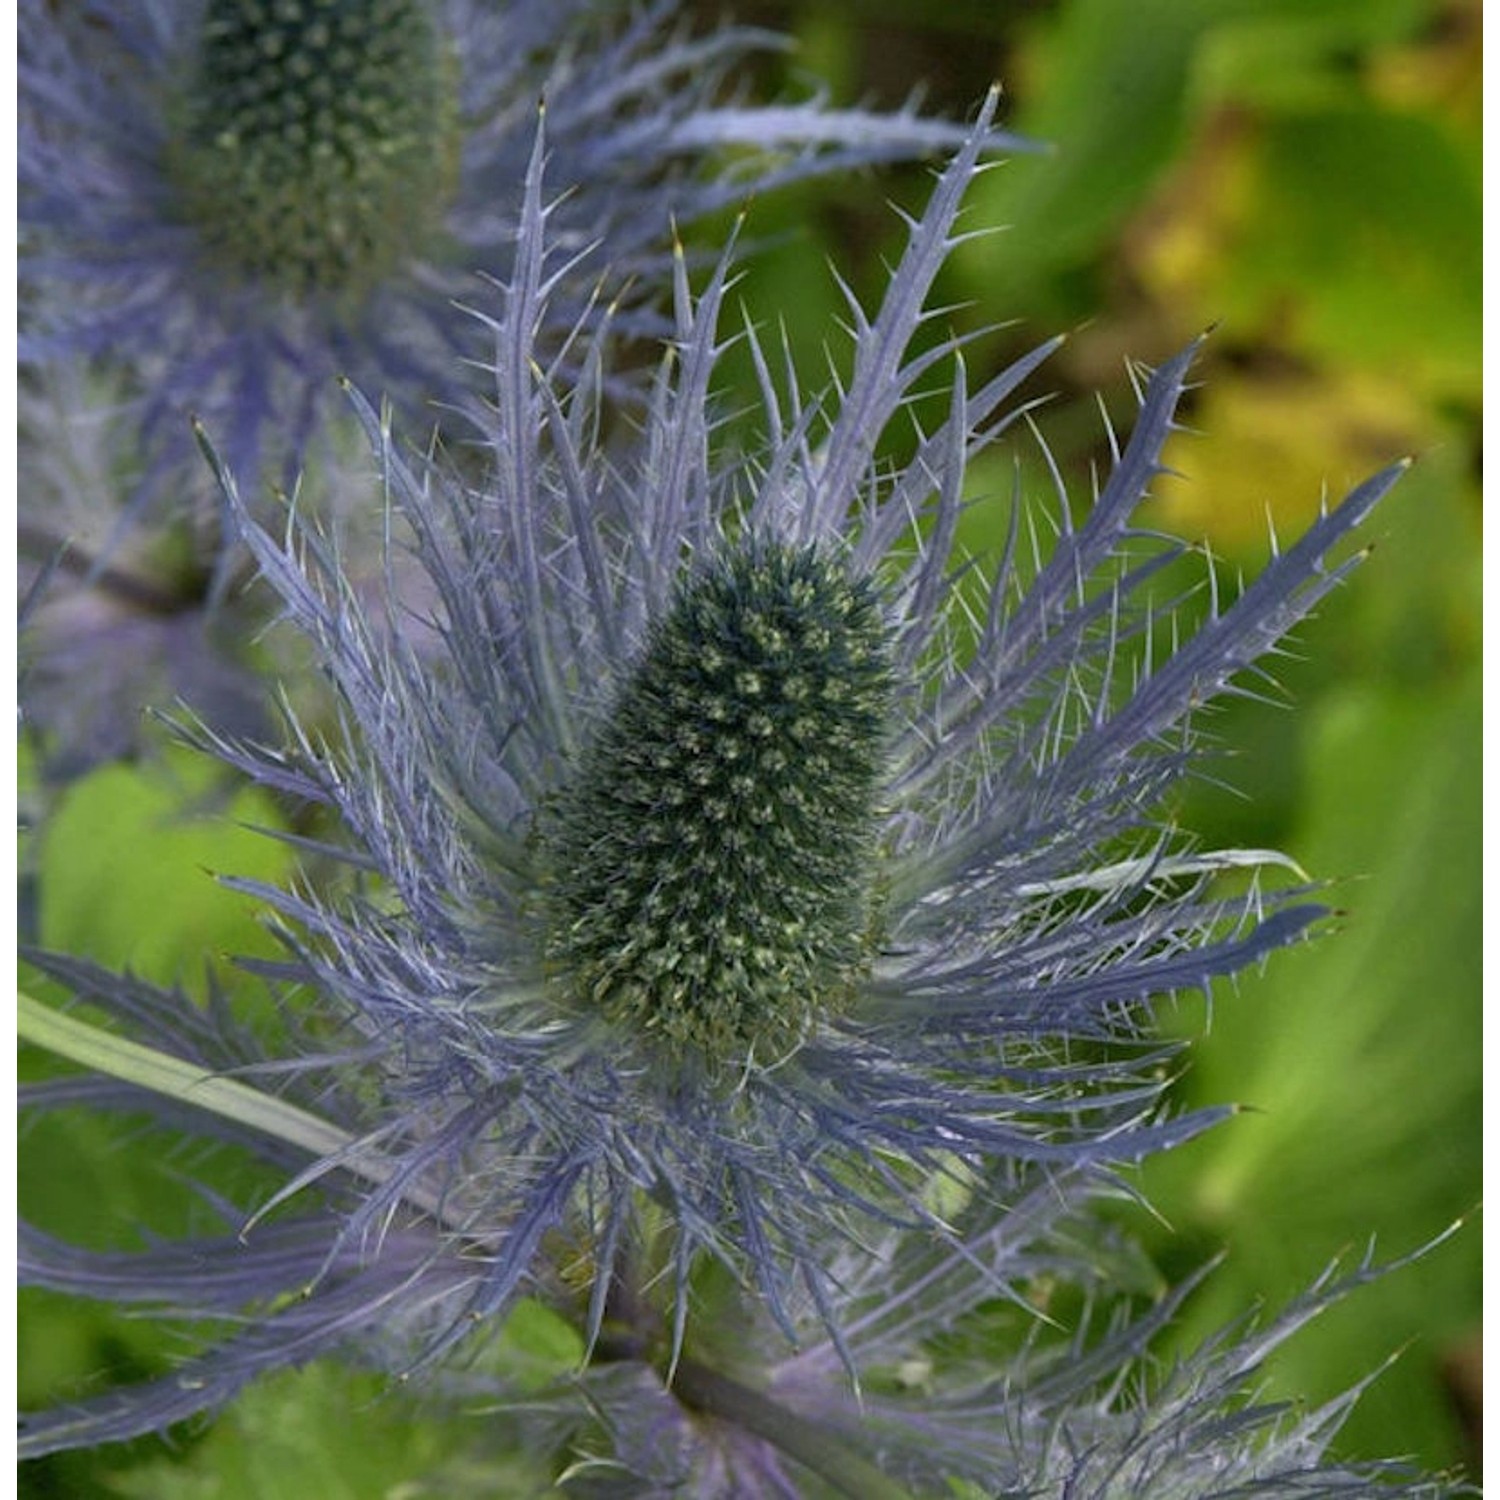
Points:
(316, 139)
(713, 855)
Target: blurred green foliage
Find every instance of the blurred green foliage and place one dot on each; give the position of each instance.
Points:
(1304, 174)
(323, 1432)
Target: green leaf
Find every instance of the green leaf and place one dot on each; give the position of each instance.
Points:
(1362, 241)
(1359, 1058)
(329, 1433)
(124, 869)
(1117, 89)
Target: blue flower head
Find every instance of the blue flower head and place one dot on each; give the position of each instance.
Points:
(737, 869)
(240, 200)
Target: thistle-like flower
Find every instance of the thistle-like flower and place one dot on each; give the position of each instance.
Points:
(737, 870)
(239, 201)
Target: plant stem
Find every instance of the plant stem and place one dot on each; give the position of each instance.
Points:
(717, 1395)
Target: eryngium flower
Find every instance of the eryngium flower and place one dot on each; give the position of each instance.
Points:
(240, 200)
(894, 891)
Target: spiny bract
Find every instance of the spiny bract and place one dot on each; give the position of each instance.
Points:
(957, 1397)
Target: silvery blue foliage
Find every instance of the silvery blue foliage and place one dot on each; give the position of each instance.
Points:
(240, 201)
(533, 1079)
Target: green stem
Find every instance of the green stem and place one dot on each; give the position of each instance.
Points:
(174, 1078)
(717, 1395)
